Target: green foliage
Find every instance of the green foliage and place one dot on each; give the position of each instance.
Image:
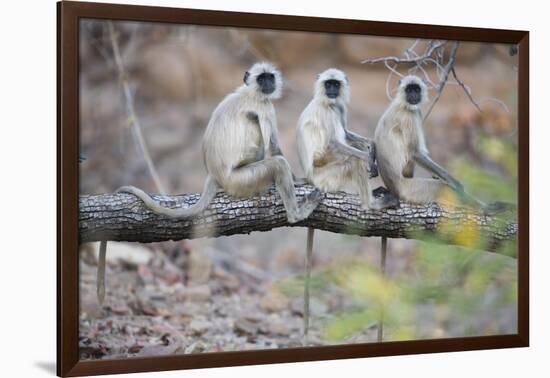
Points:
(454, 282)
(484, 183)
(500, 151)
(461, 289)
(293, 286)
(348, 324)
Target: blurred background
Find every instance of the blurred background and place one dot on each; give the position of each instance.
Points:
(244, 292)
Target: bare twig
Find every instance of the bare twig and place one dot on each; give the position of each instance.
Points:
(426, 75)
(410, 51)
(443, 79)
(434, 54)
(495, 100)
(429, 51)
(132, 116)
(98, 44)
(467, 89)
(388, 81)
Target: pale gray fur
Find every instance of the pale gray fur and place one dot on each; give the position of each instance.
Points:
(332, 156)
(400, 144)
(241, 153)
(240, 135)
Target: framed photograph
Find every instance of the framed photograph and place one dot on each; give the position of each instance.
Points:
(238, 188)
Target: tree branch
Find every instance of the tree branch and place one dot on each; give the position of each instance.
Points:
(434, 55)
(432, 47)
(132, 115)
(122, 217)
(444, 77)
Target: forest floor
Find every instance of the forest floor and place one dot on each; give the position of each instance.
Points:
(161, 303)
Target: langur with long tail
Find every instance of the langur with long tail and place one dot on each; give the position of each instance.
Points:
(241, 153)
(401, 145)
(332, 156)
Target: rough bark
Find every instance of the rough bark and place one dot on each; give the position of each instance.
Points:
(122, 217)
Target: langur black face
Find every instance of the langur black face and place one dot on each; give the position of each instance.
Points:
(266, 82)
(264, 79)
(413, 93)
(332, 88)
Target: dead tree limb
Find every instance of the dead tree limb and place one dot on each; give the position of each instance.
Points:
(122, 217)
(434, 57)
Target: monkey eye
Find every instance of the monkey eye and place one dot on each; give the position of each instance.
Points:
(260, 79)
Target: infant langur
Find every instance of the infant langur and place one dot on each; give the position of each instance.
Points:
(241, 151)
(400, 145)
(332, 156)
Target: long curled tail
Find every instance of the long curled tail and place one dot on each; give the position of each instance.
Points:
(208, 194)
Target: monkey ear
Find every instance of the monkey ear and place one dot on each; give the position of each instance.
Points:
(245, 78)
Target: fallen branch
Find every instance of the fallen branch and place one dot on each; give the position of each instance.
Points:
(122, 217)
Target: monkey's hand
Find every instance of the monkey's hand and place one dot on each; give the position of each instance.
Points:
(373, 169)
(385, 198)
(373, 164)
(380, 191)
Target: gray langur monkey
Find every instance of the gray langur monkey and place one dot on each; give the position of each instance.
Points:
(331, 155)
(241, 149)
(241, 153)
(401, 144)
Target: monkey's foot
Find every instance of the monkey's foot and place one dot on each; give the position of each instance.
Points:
(310, 202)
(384, 199)
(314, 196)
(373, 170)
(380, 192)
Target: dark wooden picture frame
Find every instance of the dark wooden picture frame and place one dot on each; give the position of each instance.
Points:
(69, 14)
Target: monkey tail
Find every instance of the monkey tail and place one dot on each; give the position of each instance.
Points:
(383, 255)
(309, 253)
(101, 271)
(208, 194)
